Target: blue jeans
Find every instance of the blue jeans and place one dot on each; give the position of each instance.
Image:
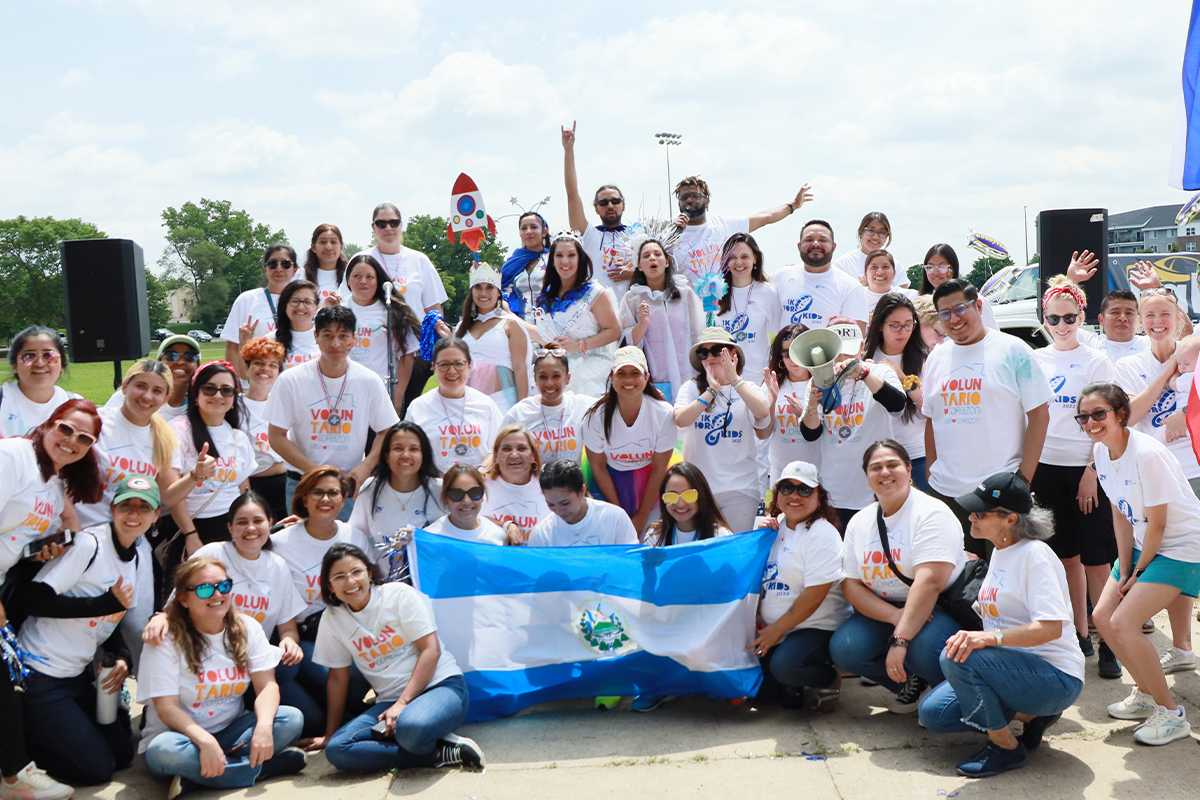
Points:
(63, 737)
(306, 683)
(987, 690)
(860, 646)
(434, 713)
(290, 491)
(801, 659)
(172, 753)
(918, 474)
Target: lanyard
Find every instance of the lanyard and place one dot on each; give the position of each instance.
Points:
(334, 419)
(271, 303)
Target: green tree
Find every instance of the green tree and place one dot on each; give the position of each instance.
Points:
(31, 269)
(916, 276)
(157, 307)
(452, 261)
(984, 268)
(218, 249)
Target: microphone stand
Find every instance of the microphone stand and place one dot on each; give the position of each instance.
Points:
(391, 350)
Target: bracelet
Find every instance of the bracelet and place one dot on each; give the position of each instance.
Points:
(583, 347)
(737, 383)
(192, 532)
(911, 382)
(792, 207)
(866, 370)
(1137, 573)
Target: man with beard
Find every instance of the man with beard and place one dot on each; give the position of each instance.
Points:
(699, 248)
(814, 293)
(610, 269)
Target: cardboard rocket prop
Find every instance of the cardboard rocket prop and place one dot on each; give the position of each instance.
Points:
(468, 218)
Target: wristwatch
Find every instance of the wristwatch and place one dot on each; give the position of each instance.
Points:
(999, 634)
(896, 641)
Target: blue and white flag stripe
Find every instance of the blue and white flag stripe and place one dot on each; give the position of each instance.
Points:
(530, 625)
(1185, 157)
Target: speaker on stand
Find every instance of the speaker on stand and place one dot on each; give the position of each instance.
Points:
(1064, 231)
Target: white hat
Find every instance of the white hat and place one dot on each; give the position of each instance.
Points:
(851, 336)
(629, 356)
(801, 471)
(484, 273)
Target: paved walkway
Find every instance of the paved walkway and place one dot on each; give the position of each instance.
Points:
(702, 748)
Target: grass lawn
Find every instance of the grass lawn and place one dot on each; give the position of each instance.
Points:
(95, 381)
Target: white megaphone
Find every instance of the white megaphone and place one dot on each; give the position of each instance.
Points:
(816, 350)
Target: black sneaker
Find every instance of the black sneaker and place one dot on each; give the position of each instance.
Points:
(1109, 667)
(1034, 729)
(992, 760)
(459, 751)
(905, 701)
(1085, 644)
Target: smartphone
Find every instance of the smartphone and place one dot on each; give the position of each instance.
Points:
(379, 732)
(64, 537)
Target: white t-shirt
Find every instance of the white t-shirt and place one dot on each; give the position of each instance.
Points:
(167, 412)
(682, 537)
(752, 319)
(922, 531)
(235, 463)
(799, 559)
(64, 648)
(812, 298)
(375, 520)
(506, 502)
(19, 415)
(850, 429)
(699, 248)
(603, 523)
(460, 429)
(631, 447)
(213, 697)
(977, 396)
(251, 304)
(29, 506)
(371, 337)
(911, 434)
(873, 298)
(263, 589)
(327, 284)
(124, 449)
(488, 532)
(304, 348)
(558, 429)
(382, 637)
(1027, 583)
(1069, 371)
(1148, 474)
(721, 442)
(257, 429)
(787, 440)
(1134, 374)
(300, 405)
(303, 554)
(1118, 350)
(601, 247)
(414, 275)
(854, 264)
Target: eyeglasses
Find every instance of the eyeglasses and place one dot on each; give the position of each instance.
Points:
(715, 351)
(900, 327)
(799, 488)
(206, 590)
(692, 196)
(688, 496)
(321, 494)
(456, 495)
(302, 302)
(171, 356)
(358, 573)
(1098, 415)
(31, 358)
(936, 267)
(959, 310)
(1054, 319)
(283, 263)
(882, 234)
(67, 432)
(212, 390)
(387, 223)
(605, 203)
(446, 366)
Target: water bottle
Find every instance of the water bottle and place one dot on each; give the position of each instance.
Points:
(106, 703)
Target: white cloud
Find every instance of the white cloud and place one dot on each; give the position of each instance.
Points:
(74, 78)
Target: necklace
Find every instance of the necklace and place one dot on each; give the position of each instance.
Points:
(404, 503)
(561, 416)
(334, 419)
(461, 448)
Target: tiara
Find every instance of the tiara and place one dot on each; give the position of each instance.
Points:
(566, 234)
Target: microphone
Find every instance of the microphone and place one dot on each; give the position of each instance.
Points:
(387, 293)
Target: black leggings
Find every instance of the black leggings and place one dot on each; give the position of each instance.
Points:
(13, 755)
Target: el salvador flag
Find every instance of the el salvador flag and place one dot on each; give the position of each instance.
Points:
(1185, 159)
(530, 625)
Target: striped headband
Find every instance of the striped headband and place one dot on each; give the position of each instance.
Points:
(202, 367)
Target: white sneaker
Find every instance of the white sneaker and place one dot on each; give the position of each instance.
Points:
(1175, 661)
(1138, 705)
(1163, 727)
(34, 784)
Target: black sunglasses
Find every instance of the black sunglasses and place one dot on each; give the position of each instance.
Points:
(387, 223)
(799, 488)
(716, 350)
(282, 263)
(457, 495)
(212, 390)
(1098, 415)
(607, 202)
(1054, 319)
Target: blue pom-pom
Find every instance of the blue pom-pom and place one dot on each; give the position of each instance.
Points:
(429, 334)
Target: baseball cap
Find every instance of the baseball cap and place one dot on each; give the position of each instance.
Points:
(802, 472)
(629, 356)
(178, 338)
(851, 336)
(1002, 490)
(137, 486)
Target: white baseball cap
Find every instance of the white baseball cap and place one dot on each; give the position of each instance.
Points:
(802, 472)
(851, 336)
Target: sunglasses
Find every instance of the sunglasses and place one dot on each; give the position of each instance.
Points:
(798, 488)
(688, 496)
(387, 223)
(280, 263)
(959, 310)
(212, 390)
(606, 202)
(49, 356)
(68, 432)
(206, 590)
(542, 352)
(937, 267)
(1054, 319)
(171, 356)
(716, 350)
(456, 495)
(1099, 415)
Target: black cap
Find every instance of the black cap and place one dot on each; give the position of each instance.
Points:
(1003, 490)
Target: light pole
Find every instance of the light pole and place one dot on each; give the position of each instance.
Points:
(669, 139)
(1025, 219)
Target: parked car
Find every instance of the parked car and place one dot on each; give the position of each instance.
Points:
(220, 329)
(162, 334)
(200, 336)
(1014, 300)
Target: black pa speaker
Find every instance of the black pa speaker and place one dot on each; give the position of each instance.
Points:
(1061, 233)
(104, 288)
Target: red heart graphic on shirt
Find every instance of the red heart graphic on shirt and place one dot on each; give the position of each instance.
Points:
(92, 623)
(314, 438)
(210, 713)
(195, 705)
(371, 665)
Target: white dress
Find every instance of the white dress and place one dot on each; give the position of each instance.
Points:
(589, 371)
(491, 353)
(673, 326)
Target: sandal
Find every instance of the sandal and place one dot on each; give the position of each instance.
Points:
(826, 701)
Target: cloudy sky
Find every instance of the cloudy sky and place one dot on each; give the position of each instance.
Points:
(941, 114)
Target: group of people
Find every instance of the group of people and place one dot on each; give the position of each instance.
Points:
(953, 510)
